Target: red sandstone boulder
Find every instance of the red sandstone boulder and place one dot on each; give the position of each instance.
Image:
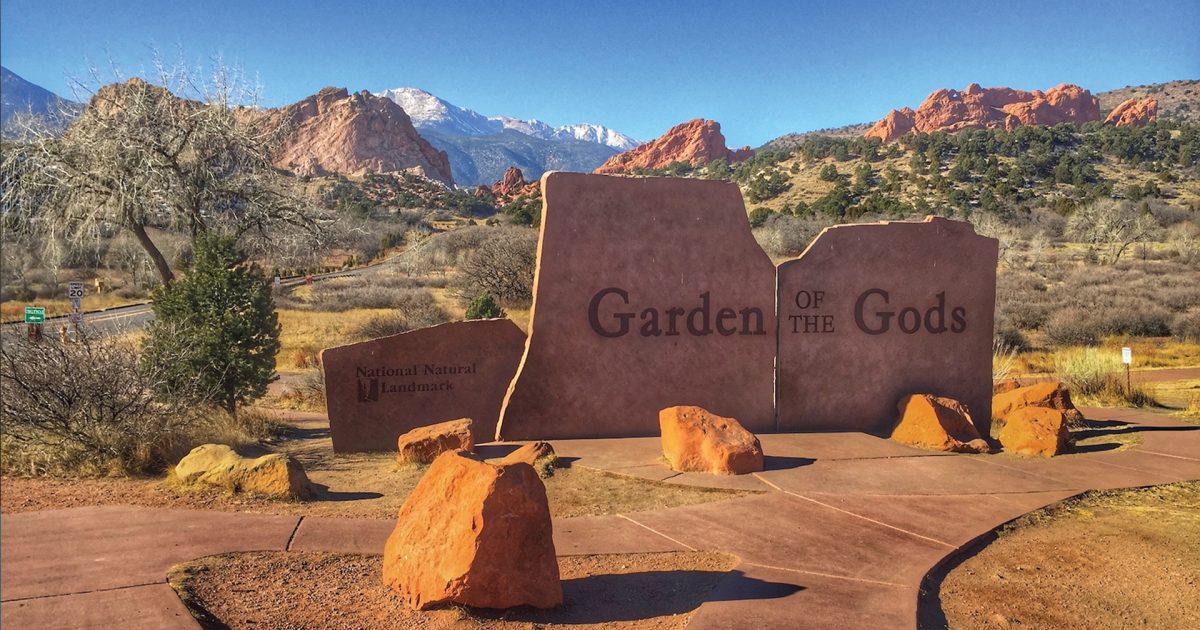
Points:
(1052, 394)
(1133, 113)
(540, 455)
(424, 444)
(695, 440)
(1035, 431)
(979, 108)
(941, 424)
(474, 534)
(696, 142)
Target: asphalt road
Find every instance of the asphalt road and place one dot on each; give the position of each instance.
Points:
(135, 316)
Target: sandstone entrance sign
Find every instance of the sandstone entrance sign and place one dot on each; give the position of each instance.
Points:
(649, 293)
(870, 313)
(379, 389)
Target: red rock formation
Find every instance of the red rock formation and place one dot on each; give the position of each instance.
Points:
(1133, 112)
(474, 534)
(424, 444)
(1050, 394)
(336, 132)
(512, 185)
(979, 108)
(1035, 431)
(936, 423)
(696, 440)
(696, 142)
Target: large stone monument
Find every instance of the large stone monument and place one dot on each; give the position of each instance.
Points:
(649, 293)
(870, 313)
(379, 389)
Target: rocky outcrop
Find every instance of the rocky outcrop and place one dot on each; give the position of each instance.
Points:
(337, 132)
(474, 534)
(1035, 431)
(936, 423)
(1133, 113)
(424, 444)
(695, 440)
(512, 185)
(220, 466)
(979, 108)
(696, 142)
(1051, 394)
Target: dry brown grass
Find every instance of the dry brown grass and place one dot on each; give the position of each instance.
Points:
(306, 333)
(1156, 352)
(1111, 559)
(14, 310)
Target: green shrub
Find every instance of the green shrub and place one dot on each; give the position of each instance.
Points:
(216, 326)
(484, 307)
(759, 216)
(829, 173)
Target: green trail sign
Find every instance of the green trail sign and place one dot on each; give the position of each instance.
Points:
(35, 314)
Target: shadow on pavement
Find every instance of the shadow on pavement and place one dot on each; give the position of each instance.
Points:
(774, 462)
(622, 597)
(323, 493)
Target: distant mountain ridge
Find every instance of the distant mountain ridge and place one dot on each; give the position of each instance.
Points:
(1179, 101)
(437, 114)
(482, 160)
(481, 148)
(18, 96)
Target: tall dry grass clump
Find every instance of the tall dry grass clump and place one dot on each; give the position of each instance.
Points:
(1098, 376)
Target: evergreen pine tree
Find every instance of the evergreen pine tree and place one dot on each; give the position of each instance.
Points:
(220, 319)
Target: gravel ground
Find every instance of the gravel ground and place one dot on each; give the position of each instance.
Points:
(341, 591)
(1115, 559)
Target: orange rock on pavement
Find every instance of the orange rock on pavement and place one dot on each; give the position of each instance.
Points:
(1052, 394)
(695, 440)
(1035, 431)
(474, 534)
(932, 422)
(424, 444)
(530, 454)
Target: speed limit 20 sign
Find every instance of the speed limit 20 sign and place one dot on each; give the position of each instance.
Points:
(75, 290)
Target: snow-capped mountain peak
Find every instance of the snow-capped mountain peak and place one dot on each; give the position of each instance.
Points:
(435, 114)
(430, 112)
(597, 133)
(532, 127)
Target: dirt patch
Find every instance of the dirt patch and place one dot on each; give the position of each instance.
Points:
(1111, 559)
(322, 590)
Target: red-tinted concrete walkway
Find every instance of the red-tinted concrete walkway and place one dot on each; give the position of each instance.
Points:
(847, 527)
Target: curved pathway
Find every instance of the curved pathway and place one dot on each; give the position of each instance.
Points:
(844, 531)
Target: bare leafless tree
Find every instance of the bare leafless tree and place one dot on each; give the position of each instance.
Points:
(184, 154)
(502, 265)
(1111, 227)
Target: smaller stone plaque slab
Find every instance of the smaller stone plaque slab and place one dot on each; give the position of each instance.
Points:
(873, 312)
(377, 390)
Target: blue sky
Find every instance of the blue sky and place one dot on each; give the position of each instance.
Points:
(760, 68)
